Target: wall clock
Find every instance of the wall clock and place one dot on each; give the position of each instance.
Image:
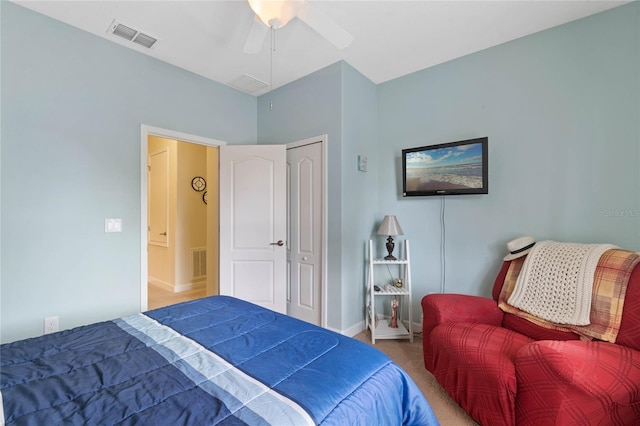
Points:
(198, 183)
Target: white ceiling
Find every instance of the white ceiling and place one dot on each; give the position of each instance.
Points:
(392, 38)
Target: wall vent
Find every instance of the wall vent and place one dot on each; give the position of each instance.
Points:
(132, 34)
(199, 263)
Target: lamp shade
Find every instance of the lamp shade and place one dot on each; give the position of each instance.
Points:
(390, 226)
(275, 13)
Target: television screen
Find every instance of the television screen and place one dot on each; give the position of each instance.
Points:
(446, 169)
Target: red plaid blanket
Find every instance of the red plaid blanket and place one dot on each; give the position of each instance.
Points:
(607, 300)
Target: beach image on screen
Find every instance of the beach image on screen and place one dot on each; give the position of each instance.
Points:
(456, 167)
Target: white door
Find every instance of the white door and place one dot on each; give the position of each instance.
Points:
(253, 224)
(158, 193)
(304, 254)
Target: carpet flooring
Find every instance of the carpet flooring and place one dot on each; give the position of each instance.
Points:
(409, 356)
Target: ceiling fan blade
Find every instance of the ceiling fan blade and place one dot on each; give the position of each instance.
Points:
(325, 26)
(257, 34)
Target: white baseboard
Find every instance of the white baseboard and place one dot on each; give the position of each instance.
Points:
(353, 330)
(176, 288)
(159, 283)
(179, 288)
(359, 328)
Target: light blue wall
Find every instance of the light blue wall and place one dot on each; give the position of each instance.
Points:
(360, 209)
(307, 108)
(561, 109)
(72, 106)
(342, 103)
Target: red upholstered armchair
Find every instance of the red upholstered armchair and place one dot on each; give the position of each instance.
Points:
(505, 370)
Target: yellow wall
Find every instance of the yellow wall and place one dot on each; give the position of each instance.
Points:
(191, 212)
(171, 267)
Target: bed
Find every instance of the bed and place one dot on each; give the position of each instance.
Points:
(217, 360)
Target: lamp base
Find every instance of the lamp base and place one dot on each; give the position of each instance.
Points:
(390, 246)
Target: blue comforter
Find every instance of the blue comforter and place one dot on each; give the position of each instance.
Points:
(217, 360)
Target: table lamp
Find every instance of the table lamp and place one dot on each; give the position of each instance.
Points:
(390, 227)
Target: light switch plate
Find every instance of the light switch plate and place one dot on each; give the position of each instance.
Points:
(362, 163)
(113, 225)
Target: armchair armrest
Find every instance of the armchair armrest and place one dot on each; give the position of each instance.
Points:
(445, 308)
(577, 382)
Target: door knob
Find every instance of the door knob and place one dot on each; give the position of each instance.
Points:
(163, 233)
(279, 243)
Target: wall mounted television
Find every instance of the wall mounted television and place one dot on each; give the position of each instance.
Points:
(452, 168)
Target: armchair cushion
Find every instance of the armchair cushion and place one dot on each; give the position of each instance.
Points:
(521, 325)
(574, 383)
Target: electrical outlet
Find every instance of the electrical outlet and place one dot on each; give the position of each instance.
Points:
(51, 325)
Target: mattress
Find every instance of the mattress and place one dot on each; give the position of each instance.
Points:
(217, 360)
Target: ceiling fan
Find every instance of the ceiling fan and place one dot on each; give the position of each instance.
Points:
(274, 14)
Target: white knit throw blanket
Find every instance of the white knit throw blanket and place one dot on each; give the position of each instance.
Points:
(556, 281)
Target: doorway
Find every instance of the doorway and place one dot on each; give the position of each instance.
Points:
(180, 192)
(179, 261)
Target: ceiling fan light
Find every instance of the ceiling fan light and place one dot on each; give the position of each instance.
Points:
(275, 13)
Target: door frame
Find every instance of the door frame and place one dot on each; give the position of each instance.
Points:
(323, 140)
(145, 132)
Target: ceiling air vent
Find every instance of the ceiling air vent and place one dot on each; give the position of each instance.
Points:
(132, 34)
(248, 84)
